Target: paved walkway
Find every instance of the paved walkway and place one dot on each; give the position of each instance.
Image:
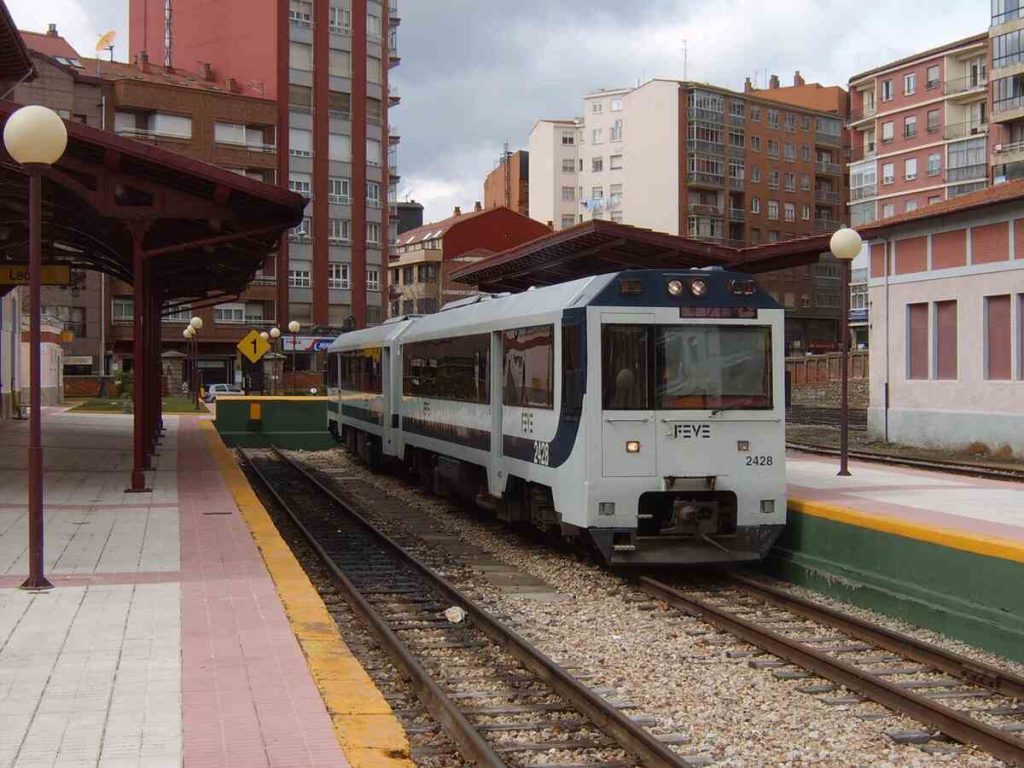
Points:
(164, 642)
(966, 505)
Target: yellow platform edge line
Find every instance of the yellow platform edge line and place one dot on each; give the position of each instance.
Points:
(363, 722)
(987, 546)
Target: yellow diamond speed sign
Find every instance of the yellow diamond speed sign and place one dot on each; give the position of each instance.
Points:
(253, 346)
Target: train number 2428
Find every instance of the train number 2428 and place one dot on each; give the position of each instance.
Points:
(760, 461)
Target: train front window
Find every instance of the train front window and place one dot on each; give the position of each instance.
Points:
(625, 366)
(720, 367)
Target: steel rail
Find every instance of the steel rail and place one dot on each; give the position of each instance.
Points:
(468, 740)
(949, 721)
(624, 731)
(936, 465)
(986, 675)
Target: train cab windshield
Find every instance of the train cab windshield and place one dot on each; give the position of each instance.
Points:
(686, 367)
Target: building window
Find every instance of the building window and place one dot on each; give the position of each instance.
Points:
(254, 137)
(755, 205)
(597, 193)
(596, 164)
(122, 309)
(910, 84)
(917, 341)
(1008, 93)
(755, 143)
(933, 199)
(790, 182)
(773, 209)
(789, 151)
(302, 231)
(300, 56)
(932, 77)
(615, 194)
(568, 165)
(568, 139)
(888, 131)
(616, 105)
(298, 278)
(595, 136)
(528, 367)
(805, 182)
(615, 163)
(615, 133)
(934, 164)
(339, 148)
(805, 152)
(568, 220)
(909, 127)
(887, 90)
(945, 340)
(755, 113)
(789, 211)
(300, 12)
(301, 183)
(407, 276)
(933, 120)
(1007, 49)
(338, 230)
(790, 122)
(338, 190)
(372, 234)
(888, 210)
(596, 107)
(372, 279)
(773, 118)
(773, 179)
(427, 273)
(229, 313)
(338, 276)
(888, 173)
(568, 194)
(736, 139)
(805, 212)
(179, 314)
(997, 337)
(339, 21)
(910, 205)
(773, 148)
(755, 174)
(910, 168)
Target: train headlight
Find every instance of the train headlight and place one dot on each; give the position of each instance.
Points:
(675, 287)
(632, 446)
(698, 288)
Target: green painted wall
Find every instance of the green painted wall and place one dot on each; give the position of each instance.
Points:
(973, 598)
(295, 423)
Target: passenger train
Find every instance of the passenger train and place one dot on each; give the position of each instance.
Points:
(641, 411)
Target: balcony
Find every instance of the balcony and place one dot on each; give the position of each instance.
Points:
(705, 179)
(394, 16)
(829, 168)
(858, 315)
(708, 115)
(703, 209)
(859, 113)
(957, 174)
(964, 130)
(863, 152)
(824, 226)
(264, 280)
(863, 193)
(827, 138)
(969, 84)
(736, 183)
(737, 214)
(824, 196)
(737, 120)
(394, 97)
(707, 147)
(1008, 153)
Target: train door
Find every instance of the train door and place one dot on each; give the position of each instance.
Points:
(628, 429)
(495, 479)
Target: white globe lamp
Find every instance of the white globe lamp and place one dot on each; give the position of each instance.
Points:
(35, 135)
(845, 244)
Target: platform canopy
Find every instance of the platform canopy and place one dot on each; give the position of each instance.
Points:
(597, 247)
(203, 231)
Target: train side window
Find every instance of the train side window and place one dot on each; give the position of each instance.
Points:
(448, 369)
(528, 367)
(625, 367)
(573, 370)
(359, 370)
(332, 370)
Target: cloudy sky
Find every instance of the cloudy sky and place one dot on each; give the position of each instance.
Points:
(477, 73)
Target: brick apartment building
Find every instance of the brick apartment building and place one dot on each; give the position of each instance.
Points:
(508, 184)
(424, 257)
(184, 112)
(919, 130)
(327, 69)
(717, 165)
(1006, 68)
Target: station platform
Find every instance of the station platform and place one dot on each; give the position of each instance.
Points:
(180, 630)
(940, 550)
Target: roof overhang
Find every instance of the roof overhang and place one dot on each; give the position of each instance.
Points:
(15, 63)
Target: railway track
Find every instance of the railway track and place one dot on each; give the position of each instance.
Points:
(986, 471)
(965, 700)
(500, 700)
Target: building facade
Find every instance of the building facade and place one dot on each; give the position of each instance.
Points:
(946, 289)
(327, 67)
(709, 163)
(919, 130)
(508, 185)
(425, 257)
(1007, 90)
(410, 215)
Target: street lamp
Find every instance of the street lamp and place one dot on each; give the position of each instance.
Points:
(195, 325)
(275, 334)
(845, 245)
(188, 333)
(293, 328)
(263, 379)
(35, 137)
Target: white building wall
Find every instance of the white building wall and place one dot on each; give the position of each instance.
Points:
(651, 166)
(601, 111)
(547, 177)
(956, 412)
(51, 368)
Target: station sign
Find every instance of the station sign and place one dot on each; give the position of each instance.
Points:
(51, 274)
(253, 346)
(306, 343)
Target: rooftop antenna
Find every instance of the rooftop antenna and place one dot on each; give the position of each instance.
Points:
(105, 43)
(506, 160)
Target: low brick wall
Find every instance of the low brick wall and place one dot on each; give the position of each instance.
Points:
(89, 386)
(819, 370)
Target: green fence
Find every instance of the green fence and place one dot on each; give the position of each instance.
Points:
(298, 423)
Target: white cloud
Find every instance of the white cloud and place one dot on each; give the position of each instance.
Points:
(73, 22)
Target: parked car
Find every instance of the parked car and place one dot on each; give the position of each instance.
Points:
(221, 389)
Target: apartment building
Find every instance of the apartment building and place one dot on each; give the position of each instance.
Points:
(1006, 36)
(326, 64)
(424, 257)
(717, 165)
(508, 184)
(919, 130)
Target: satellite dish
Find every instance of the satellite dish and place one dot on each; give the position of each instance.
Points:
(106, 41)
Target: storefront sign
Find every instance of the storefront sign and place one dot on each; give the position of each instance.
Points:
(306, 344)
(17, 274)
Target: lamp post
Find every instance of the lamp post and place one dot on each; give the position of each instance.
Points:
(845, 245)
(195, 324)
(187, 334)
(36, 138)
(263, 379)
(293, 328)
(275, 334)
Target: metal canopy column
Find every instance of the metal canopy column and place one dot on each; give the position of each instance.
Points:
(140, 455)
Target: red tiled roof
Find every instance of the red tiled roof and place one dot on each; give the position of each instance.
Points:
(1000, 193)
(438, 228)
(49, 45)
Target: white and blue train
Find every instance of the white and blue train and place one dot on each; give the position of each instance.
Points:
(641, 411)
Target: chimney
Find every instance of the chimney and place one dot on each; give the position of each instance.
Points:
(51, 31)
(477, 206)
(748, 86)
(142, 61)
(457, 211)
(231, 85)
(798, 79)
(207, 72)
(773, 82)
